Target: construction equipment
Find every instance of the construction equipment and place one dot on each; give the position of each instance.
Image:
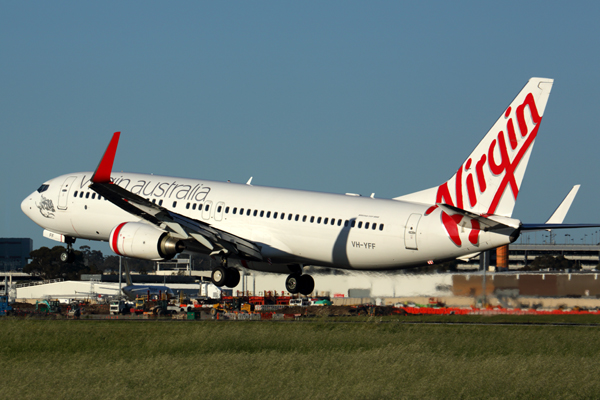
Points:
(247, 307)
(47, 306)
(5, 309)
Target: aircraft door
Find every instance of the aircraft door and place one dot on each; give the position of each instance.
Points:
(63, 195)
(206, 210)
(219, 211)
(410, 233)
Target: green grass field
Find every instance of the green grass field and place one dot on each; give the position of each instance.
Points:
(59, 359)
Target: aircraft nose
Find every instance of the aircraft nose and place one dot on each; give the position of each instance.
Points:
(27, 205)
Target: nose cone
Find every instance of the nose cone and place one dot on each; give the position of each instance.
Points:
(27, 206)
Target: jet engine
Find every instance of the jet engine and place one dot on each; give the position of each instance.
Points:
(138, 240)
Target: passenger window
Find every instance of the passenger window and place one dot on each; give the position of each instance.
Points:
(93, 196)
(360, 224)
(353, 224)
(187, 206)
(226, 210)
(75, 194)
(275, 215)
(312, 219)
(153, 201)
(339, 222)
(174, 204)
(255, 213)
(268, 214)
(248, 213)
(374, 226)
(262, 213)
(219, 209)
(346, 223)
(194, 206)
(325, 221)
(297, 217)
(380, 227)
(80, 195)
(206, 208)
(366, 225)
(282, 215)
(289, 217)
(87, 195)
(319, 220)
(160, 202)
(304, 219)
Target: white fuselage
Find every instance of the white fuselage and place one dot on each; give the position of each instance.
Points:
(290, 226)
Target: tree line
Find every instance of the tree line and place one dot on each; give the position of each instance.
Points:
(45, 263)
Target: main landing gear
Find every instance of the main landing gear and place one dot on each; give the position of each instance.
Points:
(68, 256)
(298, 283)
(225, 276)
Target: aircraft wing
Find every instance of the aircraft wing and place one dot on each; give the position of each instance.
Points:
(180, 226)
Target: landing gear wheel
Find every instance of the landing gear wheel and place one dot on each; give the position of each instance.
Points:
(219, 276)
(292, 283)
(233, 277)
(67, 256)
(307, 284)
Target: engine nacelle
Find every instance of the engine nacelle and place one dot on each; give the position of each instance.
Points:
(138, 240)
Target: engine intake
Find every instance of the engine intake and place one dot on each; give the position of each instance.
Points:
(138, 240)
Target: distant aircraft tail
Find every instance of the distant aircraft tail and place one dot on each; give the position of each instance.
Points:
(488, 181)
(127, 274)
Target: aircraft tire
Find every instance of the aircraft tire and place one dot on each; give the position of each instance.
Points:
(66, 257)
(307, 284)
(233, 277)
(292, 283)
(219, 276)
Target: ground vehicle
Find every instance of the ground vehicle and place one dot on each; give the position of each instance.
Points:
(320, 302)
(48, 306)
(119, 307)
(299, 303)
(5, 309)
(247, 307)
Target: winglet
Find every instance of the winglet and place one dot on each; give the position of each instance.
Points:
(561, 212)
(102, 174)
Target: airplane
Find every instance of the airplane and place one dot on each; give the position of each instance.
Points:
(282, 230)
(132, 291)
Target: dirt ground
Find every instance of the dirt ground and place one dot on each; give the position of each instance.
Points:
(340, 311)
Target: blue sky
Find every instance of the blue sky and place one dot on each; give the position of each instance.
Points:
(362, 97)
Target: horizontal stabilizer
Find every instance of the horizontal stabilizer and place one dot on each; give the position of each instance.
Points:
(468, 257)
(487, 223)
(561, 212)
(541, 227)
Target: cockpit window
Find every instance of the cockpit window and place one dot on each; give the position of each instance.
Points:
(43, 188)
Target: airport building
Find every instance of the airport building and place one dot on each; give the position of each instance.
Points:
(586, 257)
(14, 253)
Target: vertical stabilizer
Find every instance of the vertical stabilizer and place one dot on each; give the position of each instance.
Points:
(488, 181)
(127, 275)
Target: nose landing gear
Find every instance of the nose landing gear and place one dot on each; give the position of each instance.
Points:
(68, 256)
